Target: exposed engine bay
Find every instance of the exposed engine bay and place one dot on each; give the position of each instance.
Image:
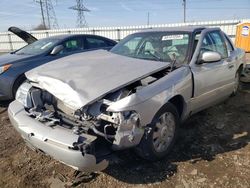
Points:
(120, 129)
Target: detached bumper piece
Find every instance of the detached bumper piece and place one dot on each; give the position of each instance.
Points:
(76, 151)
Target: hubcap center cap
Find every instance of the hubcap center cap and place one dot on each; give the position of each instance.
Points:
(164, 132)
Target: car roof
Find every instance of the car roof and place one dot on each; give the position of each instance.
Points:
(188, 29)
(66, 36)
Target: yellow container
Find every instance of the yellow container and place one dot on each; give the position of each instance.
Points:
(242, 39)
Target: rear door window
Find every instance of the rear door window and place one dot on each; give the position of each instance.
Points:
(229, 45)
(93, 42)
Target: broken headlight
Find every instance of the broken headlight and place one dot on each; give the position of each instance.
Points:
(130, 118)
(23, 95)
(134, 118)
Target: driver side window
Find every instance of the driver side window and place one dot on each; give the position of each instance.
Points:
(219, 44)
(72, 45)
(207, 44)
(214, 42)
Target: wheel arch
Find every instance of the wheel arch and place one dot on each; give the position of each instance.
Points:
(240, 68)
(179, 103)
(19, 80)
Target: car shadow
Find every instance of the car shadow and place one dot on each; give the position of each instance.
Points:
(5, 104)
(217, 130)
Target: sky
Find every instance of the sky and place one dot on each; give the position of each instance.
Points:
(26, 14)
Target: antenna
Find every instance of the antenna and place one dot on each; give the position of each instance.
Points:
(80, 8)
(48, 14)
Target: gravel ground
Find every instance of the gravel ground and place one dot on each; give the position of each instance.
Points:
(213, 150)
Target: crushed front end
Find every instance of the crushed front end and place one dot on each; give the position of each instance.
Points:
(74, 137)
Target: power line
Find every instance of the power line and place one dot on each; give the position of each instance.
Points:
(80, 8)
(132, 2)
(48, 14)
(111, 11)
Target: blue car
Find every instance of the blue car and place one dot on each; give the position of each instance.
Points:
(38, 52)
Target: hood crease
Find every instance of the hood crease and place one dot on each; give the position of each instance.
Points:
(81, 79)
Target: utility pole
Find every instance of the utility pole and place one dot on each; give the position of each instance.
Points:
(184, 13)
(148, 19)
(80, 8)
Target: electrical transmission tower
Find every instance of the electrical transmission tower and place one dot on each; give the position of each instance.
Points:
(48, 14)
(80, 8)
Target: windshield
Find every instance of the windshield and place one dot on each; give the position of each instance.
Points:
(158, 46)
(38, 47)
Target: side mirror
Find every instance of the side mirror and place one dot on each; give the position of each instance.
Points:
(56, 50)
(209, 57)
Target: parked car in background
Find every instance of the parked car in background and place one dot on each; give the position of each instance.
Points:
(133, 96)
(37, 52)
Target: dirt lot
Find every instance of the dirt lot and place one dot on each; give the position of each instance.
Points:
(213, 150)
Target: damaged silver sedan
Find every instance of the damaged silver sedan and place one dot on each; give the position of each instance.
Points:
(136, 95)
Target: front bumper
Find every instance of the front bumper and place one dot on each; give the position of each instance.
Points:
(54, 141)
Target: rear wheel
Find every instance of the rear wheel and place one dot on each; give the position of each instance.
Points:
(160, 136)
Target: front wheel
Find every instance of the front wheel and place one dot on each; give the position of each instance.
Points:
(160, 136)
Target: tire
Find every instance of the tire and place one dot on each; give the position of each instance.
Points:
(237, 83)
(160, 135)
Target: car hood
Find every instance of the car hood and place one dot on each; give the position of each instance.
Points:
(81, 79)
(27, 37)
(12, 58)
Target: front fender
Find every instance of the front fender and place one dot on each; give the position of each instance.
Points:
(148, 100)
